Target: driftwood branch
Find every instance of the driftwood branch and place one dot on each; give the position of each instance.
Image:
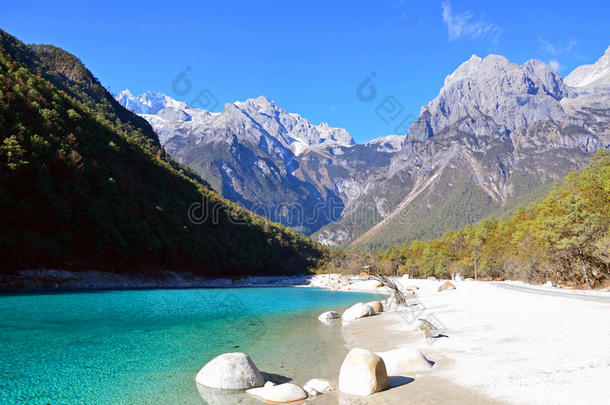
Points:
(397, 297)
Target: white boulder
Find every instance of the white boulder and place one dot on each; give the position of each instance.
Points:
(230, 371)
(362, 373)
(328, 315)
(359, 310)
(279, 394)
(404, 360)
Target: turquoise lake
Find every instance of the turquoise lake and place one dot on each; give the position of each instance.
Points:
(145, 346)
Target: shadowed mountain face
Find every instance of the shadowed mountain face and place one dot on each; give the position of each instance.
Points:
(496, 132)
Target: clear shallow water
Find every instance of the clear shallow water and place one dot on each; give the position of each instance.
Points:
(145, 346)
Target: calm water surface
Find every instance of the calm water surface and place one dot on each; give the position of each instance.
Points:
(145, 346)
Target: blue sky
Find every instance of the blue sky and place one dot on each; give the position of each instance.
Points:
(310, 57)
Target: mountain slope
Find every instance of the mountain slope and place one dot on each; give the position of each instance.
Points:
(68, 73)
(563, 237)
(80, 191)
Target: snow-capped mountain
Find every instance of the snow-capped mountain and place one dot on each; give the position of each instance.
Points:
(147, 103)
(595, 75)
(260, 155)
(495, 132)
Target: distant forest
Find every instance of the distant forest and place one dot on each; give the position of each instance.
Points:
(564, 238)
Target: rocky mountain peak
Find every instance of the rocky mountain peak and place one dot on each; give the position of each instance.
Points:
(496, 94)
(477, 68)
(260, 103)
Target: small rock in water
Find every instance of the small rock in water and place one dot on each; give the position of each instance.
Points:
(279, 394)
(362, 373)
(230, 371)
(325, 316)
(447, 285)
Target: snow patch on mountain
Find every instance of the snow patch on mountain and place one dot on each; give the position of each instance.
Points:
(388, 144)
(595, 75)
(148, 103)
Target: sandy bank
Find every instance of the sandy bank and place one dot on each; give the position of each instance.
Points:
(503, 346)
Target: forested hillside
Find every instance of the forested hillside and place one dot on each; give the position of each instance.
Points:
(85, 185)
(564, 237)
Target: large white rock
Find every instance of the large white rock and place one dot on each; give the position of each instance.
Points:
(359, 310)
(404, 360)
(376, 305)
(279, 394)
(362, 373)
(328, 315)
(230, 371)
(319, 384)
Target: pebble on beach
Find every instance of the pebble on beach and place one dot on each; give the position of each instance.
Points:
(447, 285)
(318, 384)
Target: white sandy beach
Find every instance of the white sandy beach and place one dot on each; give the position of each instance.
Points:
(507, 343)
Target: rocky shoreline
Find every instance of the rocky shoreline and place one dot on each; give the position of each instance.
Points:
(50, 279)
(451, 344)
